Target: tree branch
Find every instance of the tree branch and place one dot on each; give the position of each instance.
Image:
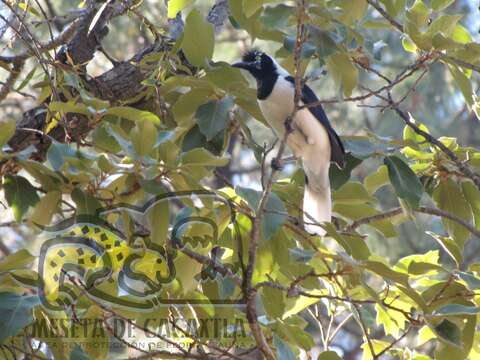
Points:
(422, 209)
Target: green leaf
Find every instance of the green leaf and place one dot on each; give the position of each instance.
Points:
(338, 177)
(472, 196)
(363, 148)
(446, 351)
(323, 40)
(418, 14)
(251, 24)
(7, 130)
(376, 180)
(300, 255)
(449, 332)
(439, 5)
(283, 350)
(448, 197)
(59, 153)
(17, 260)
(354, 245)
(463, 83)
(405, 182)
(386, 272)
(461, 35)
(276, 16)
(308, 49)
(144, 137)
(420, 268)
(352, 193)
(300, 303)
(133, 114)
(250, 7)
(352, 10)
(450, 247)
(409, 45)
(45, 209)
(389, 320)
(174, 6)
(445, 24)
(329, 355)
(86, 204)
(20, 195)
(197, 31)
(344, 73)
(273, 302)
(188, 103)
(159, 219)
(358, 211)
(46, 177)
(202, 157)
(419, 147)
(69, 107)
(15, 312)
(275, 216)
(213, 116)
(410, 135)
(472, 281)
(26, 80)
(275, 213)
(455, 310)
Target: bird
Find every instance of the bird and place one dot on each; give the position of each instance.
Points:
(311, 136)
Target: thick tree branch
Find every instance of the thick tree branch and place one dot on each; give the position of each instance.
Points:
(10, 82)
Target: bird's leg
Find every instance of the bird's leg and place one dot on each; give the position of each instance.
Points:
(289, 125)
(276, 165)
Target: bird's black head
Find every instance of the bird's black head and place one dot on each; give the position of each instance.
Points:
(259, 64)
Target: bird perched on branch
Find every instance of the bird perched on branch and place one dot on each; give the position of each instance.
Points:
(311, 136)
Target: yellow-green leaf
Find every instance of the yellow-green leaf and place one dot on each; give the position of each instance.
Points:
(439, 5)
(343, 72)
(449, 197)
(174, 6)
(198, 39)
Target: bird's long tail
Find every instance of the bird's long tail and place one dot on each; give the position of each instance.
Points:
(317, 203)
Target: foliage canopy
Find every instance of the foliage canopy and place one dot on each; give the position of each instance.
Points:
(130, 171)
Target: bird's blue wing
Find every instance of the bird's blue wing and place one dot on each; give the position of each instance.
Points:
(337, 149)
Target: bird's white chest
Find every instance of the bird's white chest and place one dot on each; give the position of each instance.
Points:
(309, 137)
(278, 106)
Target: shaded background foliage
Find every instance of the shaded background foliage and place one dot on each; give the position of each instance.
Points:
(149, 104)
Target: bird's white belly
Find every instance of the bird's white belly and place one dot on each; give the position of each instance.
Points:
(309, 140)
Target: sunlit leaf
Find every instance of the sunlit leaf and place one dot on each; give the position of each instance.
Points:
(449, 197)
(343, 71)
(174, 6)
(20, 195)
(197, 31)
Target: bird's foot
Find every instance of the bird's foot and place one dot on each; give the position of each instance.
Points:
(289, 125)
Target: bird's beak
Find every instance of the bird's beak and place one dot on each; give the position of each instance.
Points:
(242, 65)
